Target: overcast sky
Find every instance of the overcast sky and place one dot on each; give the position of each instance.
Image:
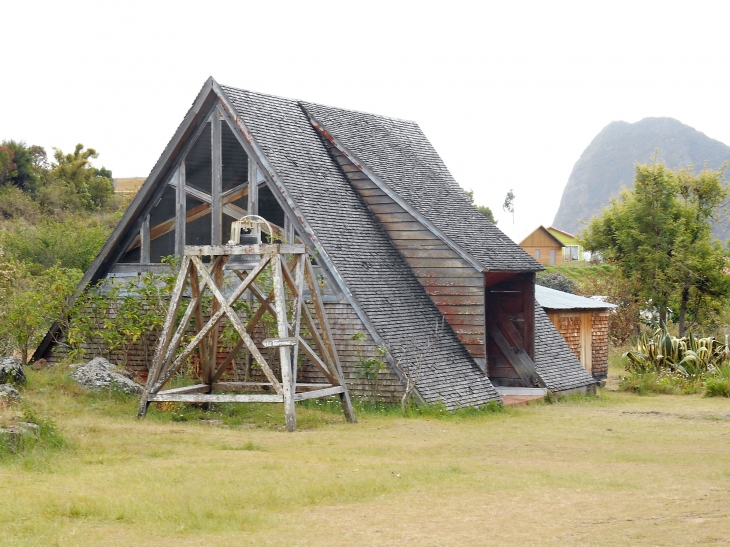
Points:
(510, 93)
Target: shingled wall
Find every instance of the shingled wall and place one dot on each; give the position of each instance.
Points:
(344, 323)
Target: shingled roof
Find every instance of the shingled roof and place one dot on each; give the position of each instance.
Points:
(383, 289)
(399, 154)
(556, 364)
(380, 281)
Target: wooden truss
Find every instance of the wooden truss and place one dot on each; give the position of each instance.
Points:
(202, 278)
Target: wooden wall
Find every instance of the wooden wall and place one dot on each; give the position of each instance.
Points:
(454, 285)
(586, 333)
(511, 311)
(543, 241)
(343, 320)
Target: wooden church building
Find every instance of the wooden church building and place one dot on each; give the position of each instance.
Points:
(398, 247)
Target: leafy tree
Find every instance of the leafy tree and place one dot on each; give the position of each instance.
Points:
(93, 186)
(29, 304)
(659, 236)
(7, 163)
(29, 165)
(483, 209)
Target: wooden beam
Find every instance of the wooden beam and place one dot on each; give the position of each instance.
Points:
(529, 313)
(144, 237)
(225, 308)
(319, 393)
(197, 388)
(214, 321)
(164, 337)
(171, 224)
(215, 250)
(253, 193)
(216, 180)
(288, 389)
(324, 326)
(520, 361)
(181, 215)
(508, 329)
(213, 398)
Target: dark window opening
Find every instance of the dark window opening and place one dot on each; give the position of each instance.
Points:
(198, 163)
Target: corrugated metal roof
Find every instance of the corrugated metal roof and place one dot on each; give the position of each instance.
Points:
(559, 300)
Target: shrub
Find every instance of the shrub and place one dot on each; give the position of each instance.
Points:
(557, 281)
(718, 385)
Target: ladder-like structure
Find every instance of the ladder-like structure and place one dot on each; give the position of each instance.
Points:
(203, 279)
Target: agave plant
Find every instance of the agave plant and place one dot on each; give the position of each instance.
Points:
(690, 356)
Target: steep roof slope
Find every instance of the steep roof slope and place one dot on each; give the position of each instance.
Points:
(401, 156)
(557, 366)
(382, 284)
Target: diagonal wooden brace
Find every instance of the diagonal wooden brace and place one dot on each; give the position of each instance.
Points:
(236, 321)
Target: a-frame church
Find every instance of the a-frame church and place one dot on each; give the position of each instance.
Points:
(399, 249)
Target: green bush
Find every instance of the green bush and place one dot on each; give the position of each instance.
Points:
(70, 243)
(718, 385)
(47, 438)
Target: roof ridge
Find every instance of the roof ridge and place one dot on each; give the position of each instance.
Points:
(304, 102)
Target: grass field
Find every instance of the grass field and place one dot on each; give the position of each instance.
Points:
(618, 469)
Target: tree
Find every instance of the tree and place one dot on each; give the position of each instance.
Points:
(509, 204)
(483, 209)
(659, 236)
(93, 186)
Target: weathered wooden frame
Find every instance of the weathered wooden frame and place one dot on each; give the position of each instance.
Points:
(167, 359)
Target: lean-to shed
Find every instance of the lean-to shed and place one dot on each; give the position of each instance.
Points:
(583, 323)
(395, 240)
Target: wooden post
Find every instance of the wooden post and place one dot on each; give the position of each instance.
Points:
(253, 189)
(144, 238)
(209, 364)
(529, 314)
(329, 343)
(298, 303)
(284, 351)
(216, 180)
(165, 335)
(168, 359)
(288, 230)
(180, 211)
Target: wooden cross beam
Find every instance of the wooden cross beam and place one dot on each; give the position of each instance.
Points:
(202, 278)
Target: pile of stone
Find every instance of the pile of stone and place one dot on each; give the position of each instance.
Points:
(11, 371)
(100, 373)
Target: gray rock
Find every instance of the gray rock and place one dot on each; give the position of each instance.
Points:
(13, 435)
(11, 371)
(100, 373)
(8, 391)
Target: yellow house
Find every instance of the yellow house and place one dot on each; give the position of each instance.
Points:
(543, 247)
(571, 249)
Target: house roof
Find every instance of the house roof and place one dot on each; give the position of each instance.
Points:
(376, 279)
(558, 300)
(382, 284)
(566, 234)
(547, 232)
(398, 154)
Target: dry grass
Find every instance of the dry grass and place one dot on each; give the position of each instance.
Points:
(615, 470)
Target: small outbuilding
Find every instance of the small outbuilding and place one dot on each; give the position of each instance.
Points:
(583, 323)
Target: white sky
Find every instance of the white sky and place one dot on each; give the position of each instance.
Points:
(510, 93)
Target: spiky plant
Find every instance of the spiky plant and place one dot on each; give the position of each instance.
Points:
(690, 356)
